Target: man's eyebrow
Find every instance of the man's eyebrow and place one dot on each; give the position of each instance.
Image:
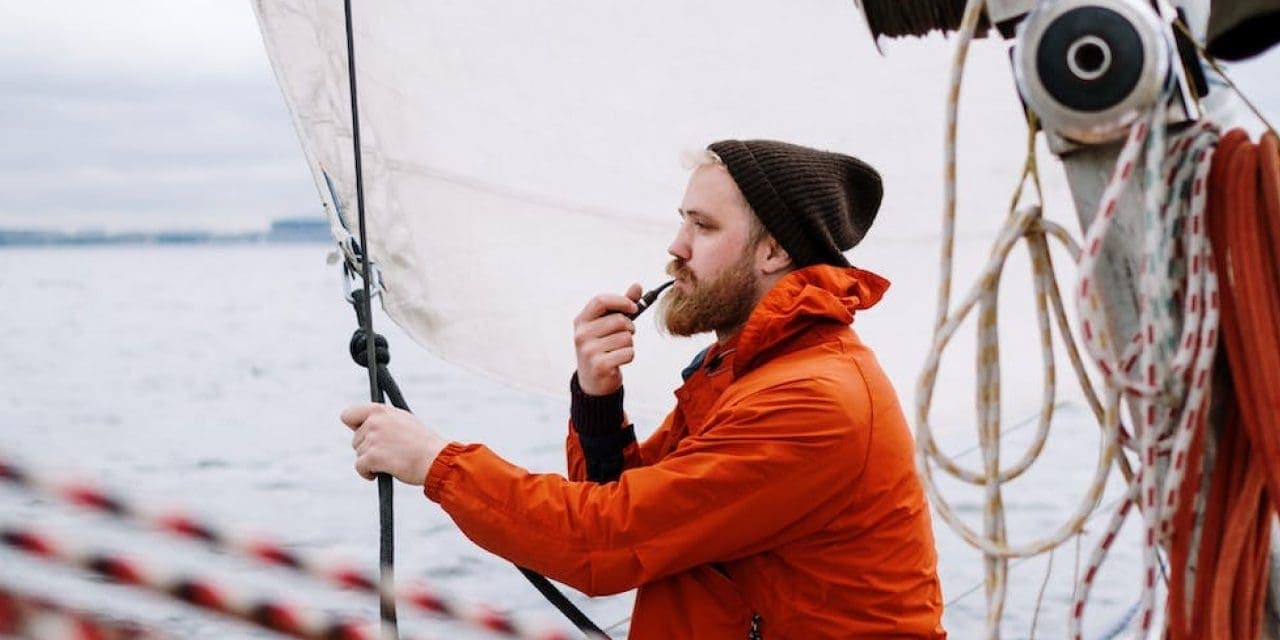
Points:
(692, 212)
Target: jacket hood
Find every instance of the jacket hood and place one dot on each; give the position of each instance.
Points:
(818, 294)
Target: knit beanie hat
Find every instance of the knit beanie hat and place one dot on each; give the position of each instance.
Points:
(815, 203)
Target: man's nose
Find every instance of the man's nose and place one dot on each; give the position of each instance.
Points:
(679, 247)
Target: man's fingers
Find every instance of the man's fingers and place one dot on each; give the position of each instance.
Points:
(613, 341)
(616, 358)
(634, 292)
(606, 303)
(369, 462)
(613, 323)
(355, 415)
(363, 470)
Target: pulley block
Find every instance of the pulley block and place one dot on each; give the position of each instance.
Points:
(1089, 68)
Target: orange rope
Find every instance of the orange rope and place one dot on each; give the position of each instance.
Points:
(1233, 555)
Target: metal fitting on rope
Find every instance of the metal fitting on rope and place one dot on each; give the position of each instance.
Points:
(352, 275)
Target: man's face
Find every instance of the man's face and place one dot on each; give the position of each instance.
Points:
(714, 258)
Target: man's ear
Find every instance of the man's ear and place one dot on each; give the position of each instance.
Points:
(771, 257)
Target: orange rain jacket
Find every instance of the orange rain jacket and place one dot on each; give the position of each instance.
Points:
(782, 486)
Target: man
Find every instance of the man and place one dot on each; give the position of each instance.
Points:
(779, 498)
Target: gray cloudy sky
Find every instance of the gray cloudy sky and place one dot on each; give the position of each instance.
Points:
(163, 114)
(142, 114)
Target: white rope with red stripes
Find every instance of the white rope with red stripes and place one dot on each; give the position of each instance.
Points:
(1164, 371)
(1021, 223)
(1176, 363)
(24, 615)
(280, 616)
(344, 575)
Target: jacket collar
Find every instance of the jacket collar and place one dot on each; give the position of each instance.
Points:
(816, 295)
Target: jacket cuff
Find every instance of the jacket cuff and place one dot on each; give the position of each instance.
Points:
(605, 454)
(594, 415)
(440, 471)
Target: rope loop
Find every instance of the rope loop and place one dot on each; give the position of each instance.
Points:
(1163, 371)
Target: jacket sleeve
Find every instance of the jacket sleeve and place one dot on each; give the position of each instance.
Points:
(742, 486)
(600, 443)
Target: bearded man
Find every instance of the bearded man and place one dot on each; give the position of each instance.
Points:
(779, 498)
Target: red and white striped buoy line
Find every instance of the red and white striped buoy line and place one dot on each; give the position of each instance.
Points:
(1165, 373)
(340, 574)
(276, 615)
(28, 616)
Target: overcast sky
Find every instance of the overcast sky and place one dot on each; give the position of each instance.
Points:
(164, 113)
(145, 114)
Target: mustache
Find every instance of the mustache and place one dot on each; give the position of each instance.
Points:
(679, 269)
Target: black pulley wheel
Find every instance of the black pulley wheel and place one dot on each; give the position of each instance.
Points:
(1088, 68)
(1090, 59)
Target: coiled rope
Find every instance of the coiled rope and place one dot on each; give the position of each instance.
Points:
(1025, 222)
(1165, 372)
(1171, 386)
(1233, 554)
(338, 573)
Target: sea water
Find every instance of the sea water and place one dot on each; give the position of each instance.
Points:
(209, 378)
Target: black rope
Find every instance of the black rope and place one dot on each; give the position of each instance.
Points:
(380, 381)
(558, 599)
(364, 314)
(382, 357)
(360, 354)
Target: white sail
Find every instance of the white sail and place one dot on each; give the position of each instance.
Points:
(521, 157)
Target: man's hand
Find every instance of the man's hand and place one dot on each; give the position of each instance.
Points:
(388, 440)
(602, 338)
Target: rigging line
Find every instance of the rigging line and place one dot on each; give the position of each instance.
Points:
(614, 626)
(1019, 225)
(544, 586)
(1221, 72)
(1173, 168)
(363, 303)
(364, 309)
(1123, 623)
(1035, 617)
(561, 602)
(1023, 424)
(1020, 560)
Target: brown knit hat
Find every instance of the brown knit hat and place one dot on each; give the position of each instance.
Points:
(815, 203)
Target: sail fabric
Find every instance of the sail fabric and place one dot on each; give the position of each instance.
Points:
(522, 157)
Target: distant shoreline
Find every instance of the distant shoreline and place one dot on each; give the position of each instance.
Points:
(286, 231)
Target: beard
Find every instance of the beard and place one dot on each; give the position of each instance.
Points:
(722, 304)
